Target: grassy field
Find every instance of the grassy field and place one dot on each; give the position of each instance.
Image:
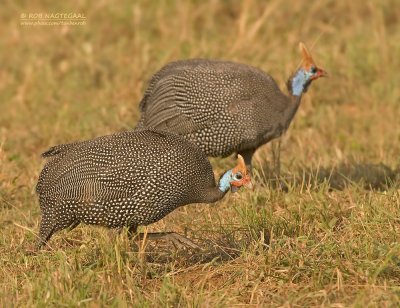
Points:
(329, 238)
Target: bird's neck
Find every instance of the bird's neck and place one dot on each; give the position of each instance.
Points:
(213, 195)
(216, 193)
(225, 182)
(292, 109)
(297, 85)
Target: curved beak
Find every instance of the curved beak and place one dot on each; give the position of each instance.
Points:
(247, 182)
(321, 73)
(249, 185)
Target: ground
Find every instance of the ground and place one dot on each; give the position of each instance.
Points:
(325, 234)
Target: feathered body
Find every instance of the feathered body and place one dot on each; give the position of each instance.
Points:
(124, 179)
(222, 107)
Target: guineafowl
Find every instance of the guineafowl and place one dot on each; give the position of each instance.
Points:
(127, 179)
(224, 107)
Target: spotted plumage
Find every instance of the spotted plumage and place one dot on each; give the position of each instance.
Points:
(223, 107)
(126, 179)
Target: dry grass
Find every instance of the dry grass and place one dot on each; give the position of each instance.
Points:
(330, 237)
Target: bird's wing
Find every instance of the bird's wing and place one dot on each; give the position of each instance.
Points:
(89, 169)
(186, 96)
(172, 109)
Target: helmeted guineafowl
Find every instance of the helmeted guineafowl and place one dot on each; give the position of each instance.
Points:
(126, 179)
(224, 107)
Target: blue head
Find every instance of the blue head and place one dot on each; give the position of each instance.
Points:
(303, 77)
(235, 178)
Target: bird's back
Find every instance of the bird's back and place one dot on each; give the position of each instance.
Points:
(220, 106)
(142, 164)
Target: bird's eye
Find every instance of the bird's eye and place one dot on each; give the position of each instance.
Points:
(313, 69)
(238, 176)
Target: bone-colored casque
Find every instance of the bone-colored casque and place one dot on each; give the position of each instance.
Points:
(224, 107)
(126, 179)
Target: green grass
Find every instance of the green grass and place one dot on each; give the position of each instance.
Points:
(329, 236)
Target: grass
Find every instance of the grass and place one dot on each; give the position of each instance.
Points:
(328, 237)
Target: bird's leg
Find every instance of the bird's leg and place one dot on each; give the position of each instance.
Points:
(74, 224)
(132, 231)
(177, 239)
(44, 235)
(276, 158)
(247, 156)
(48, 227)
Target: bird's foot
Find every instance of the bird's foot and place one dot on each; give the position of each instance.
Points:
(177, 240)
